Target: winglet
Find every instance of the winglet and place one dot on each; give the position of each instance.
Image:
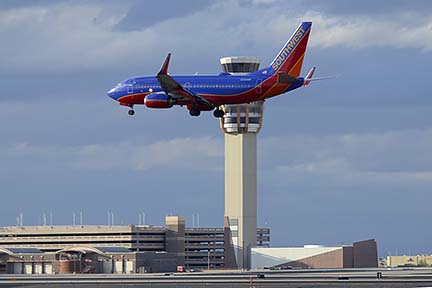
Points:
(164, 68)
(309, 76)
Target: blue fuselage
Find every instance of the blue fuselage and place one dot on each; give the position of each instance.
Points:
(222, 89)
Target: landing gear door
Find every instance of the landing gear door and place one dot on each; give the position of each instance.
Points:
(259, 86)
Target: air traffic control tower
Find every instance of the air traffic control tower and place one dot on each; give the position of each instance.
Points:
(241, 124)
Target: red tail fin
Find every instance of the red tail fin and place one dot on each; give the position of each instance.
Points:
(290, 58)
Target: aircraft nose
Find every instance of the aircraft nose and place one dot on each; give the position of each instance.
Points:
(112, 94)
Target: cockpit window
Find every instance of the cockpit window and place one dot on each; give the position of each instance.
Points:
(118, 86)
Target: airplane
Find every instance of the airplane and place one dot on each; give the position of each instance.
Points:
(210, 92)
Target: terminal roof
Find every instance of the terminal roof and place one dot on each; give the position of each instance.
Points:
(20, 250)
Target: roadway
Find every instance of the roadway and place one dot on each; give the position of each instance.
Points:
(347, 278)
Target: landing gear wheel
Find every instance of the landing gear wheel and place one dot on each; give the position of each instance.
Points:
(218, 113)
(131, 112)
(194, 112)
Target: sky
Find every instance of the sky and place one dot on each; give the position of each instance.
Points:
(342, 160)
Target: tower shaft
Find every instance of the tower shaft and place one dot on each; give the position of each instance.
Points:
(241, 193)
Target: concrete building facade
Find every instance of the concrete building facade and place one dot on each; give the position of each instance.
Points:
(409, 261)
(129, 249)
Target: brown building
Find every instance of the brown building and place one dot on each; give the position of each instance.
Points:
(361, 254)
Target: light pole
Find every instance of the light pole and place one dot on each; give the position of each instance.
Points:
(208, 259)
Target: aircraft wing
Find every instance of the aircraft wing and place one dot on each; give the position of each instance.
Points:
(174, 89)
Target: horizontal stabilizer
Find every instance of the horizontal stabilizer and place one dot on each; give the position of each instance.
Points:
(322, 78)
(310, 74)
(284, 78)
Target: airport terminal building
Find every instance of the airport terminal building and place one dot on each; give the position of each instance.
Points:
(150, 249)
(117, 249)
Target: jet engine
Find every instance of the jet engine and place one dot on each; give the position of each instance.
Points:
(158, 100)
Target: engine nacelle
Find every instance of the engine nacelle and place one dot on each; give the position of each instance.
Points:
(158, 100)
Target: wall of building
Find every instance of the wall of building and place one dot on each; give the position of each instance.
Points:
(348, 257)
(41, 263)
(365, 254)
(175, 237)
(332, 259)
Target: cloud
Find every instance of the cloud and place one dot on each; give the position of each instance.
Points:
(202, 153)
(402, 30)
(396, 157)
(56, 38)
(59, 41)
(134, 19)
(398, 154)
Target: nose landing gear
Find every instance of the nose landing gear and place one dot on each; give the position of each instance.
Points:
(131, 111)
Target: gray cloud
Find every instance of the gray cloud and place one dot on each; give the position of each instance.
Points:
(368, 154)
(369, 7)
(405, 30)
(181, 153)
(344, 159)
(59, 41)
(142, 15)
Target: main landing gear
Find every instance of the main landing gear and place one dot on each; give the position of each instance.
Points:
(131, 112)
(218, 113)
(194, 112)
